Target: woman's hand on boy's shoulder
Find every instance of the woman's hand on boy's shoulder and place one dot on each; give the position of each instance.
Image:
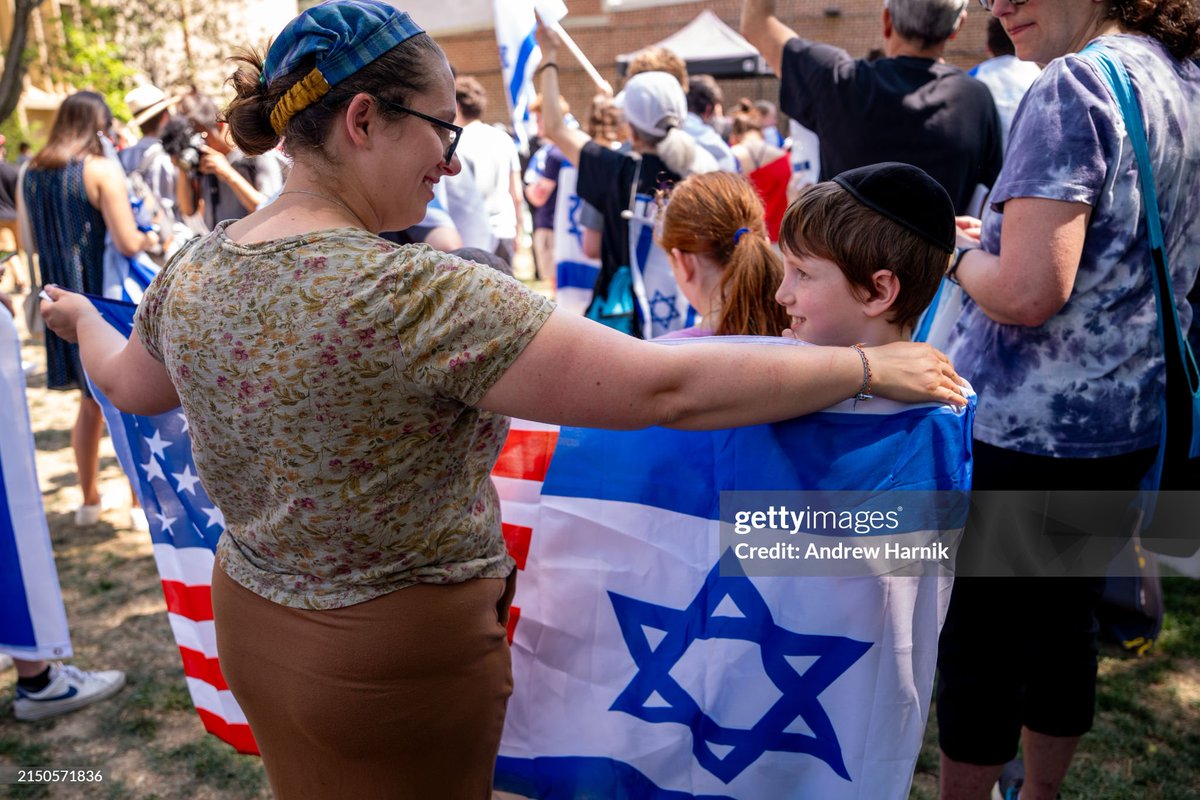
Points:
(912, 372)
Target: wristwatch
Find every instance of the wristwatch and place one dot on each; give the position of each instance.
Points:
(959, 252)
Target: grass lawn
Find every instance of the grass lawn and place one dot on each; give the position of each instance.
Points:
(1146, 740)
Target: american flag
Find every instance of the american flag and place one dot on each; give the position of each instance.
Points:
(156, 454)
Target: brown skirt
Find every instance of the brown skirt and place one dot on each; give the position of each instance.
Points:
(402, 696)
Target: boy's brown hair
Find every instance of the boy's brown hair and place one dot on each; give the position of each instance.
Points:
(827, 222)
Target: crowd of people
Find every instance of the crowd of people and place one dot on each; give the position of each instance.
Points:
(926, 175)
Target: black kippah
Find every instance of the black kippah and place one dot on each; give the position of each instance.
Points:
(907, 196)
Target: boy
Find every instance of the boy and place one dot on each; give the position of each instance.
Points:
(864, 254)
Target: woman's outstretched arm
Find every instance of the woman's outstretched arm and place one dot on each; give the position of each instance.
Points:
(578, 372)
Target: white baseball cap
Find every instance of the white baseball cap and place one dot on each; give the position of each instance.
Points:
(653, 102)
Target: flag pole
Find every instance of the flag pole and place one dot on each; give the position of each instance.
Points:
(596, 77)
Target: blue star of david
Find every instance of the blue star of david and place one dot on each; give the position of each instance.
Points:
(657, 314)
(835, 655)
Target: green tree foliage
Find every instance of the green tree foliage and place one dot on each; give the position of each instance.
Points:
(91, 58)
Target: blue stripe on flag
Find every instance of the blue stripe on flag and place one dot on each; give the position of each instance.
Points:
(573, 273)
(645, 242)
(828, 451)
(16, 623)
(580, 778)
(518, 76)
(925, 323)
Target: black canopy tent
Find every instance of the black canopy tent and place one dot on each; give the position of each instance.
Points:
(710, 47)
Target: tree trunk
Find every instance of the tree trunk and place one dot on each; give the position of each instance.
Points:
(12, 79)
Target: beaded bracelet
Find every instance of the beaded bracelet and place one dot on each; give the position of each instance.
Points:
(864, 392)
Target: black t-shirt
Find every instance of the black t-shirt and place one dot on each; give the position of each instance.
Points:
(8, 190)
(605, 180)
(915, 110)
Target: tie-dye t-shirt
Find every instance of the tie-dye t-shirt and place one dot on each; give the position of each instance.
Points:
(329, 381)
(1088, 382)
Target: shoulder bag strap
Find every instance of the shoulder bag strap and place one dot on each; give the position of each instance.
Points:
(1176, 349)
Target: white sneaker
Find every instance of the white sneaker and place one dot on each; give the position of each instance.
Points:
(86, 516)
(69, 689)
(138, 521)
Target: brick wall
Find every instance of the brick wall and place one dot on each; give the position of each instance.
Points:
(605, 35)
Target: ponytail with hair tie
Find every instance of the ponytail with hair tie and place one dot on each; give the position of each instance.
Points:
(711, 214)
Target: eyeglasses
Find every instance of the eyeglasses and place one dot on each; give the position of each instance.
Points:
(987, 4)
(451, 138)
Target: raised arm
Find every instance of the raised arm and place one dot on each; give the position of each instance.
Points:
(1041, 243)
(121, 368)
(105, 183)
(185, 194)
(763, 29)
(578, 372)
(215, 163)
(569, 140)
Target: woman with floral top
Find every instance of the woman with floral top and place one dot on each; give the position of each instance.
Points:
(346, 400)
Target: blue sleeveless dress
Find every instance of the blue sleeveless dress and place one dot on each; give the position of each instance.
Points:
(69, 233)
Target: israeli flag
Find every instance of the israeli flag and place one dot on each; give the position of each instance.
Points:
(645, 667)
(33, 621)
(576, 272)
(520, 55)
(661, 302)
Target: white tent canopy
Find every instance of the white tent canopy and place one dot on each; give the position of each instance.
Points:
(710, 47)
(445, 19)
(465, 16)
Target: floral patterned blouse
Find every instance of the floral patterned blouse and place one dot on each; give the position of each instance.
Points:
(328, 380)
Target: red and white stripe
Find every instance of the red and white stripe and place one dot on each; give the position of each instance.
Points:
(186, 577)
(518, 475)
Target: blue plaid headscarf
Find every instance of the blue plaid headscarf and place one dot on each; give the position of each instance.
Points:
(344, 35)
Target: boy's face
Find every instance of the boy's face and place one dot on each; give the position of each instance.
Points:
(821, 302)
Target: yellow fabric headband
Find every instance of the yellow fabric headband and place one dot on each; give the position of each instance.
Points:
(302, 95)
